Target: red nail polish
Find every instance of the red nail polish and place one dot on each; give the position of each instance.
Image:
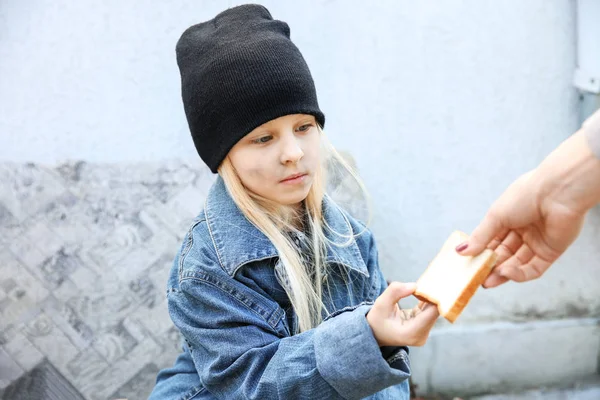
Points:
(462, 246)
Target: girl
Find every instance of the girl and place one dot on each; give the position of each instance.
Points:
(276, 290)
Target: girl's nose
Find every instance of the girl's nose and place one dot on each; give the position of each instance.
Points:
(291, 152)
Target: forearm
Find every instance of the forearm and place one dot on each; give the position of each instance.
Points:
(570, 175)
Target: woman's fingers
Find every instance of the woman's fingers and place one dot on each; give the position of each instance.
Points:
(509, 246)
(522, 272)
(487, 230)
(494, 279)
(498, 239)
(521, 257)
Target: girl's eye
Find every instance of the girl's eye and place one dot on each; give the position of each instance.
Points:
(263, 139)
(305, 127)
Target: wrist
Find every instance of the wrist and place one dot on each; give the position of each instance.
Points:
(569, 176)
(370, 322)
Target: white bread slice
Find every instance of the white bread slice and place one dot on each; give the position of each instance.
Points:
(451, 280)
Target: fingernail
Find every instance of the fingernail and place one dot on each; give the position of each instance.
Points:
(461, 247)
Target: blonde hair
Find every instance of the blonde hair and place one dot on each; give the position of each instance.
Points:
(304, 288)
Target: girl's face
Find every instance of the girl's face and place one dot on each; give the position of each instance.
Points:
(278, 159)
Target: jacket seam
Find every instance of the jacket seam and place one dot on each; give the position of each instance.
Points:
(271, 320)
(212, 238)
(190, 242)
(348, 308)
(193, 393)
(400, 355)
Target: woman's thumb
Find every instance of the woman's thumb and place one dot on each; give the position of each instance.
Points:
(481, 237)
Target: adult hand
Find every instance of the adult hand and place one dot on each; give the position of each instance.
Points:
(540, 215)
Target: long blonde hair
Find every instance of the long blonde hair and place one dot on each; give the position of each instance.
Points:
(304, 287)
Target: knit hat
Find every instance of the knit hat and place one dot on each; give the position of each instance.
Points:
(239, 71)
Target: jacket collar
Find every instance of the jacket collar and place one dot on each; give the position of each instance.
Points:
(238, 242)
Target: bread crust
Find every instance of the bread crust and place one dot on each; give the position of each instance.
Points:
(466, 293)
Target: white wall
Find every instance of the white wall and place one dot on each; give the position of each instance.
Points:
(442, 104)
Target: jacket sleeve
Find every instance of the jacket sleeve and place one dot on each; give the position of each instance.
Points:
(241, 348)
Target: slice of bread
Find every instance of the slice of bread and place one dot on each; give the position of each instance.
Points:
(451, 280)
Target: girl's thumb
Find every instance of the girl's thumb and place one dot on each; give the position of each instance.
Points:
(396, 291)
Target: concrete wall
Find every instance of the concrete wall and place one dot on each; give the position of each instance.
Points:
(442, 104)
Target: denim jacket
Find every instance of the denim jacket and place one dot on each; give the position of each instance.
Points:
(237, 321)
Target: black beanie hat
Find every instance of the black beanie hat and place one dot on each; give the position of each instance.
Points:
(239, 71)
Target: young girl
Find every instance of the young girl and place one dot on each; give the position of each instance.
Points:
(276, 290)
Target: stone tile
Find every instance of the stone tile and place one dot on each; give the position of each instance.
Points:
(8, 333)
(135, 329)
(84, 278)
(45, 254)
(66, 319)
(168, 180)
(42, 237)
(119, 243)
(65, 291)
(43, 382)
(114, 343)
(122, 371)
(159, 272)
(9, 369)
(83, 370)
(103, 309)
(9, 225)
(51, 341)
(29, 255)
(28, 188)
(171, 217)
(156, 320)
(140, 385)
(57, 268)
(22, 291)
(190, 200)
(139, 258)
(71, 172)
(25, 354)
(203, 180)
(143, 288)
(79, 175)
(70, 218)
(116, 203)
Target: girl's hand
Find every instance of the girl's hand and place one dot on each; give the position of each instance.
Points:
(393, 326)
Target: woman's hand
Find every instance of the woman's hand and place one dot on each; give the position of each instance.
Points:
(393, 326)
(540, 215)
(529, 232)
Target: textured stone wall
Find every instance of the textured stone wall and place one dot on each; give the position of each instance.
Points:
(85, 250)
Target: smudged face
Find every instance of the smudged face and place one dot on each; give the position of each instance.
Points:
(278, 159)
